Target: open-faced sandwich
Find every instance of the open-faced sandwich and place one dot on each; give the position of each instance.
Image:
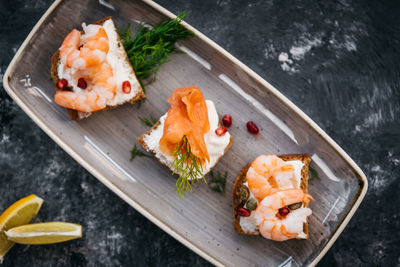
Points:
(270, 197)
(188, 138)
(91, 71)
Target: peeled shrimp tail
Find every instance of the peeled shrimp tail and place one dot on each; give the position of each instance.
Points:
(307, 198)
(84, 101)
(93, 51)
(69, 51)
(277, 228)
(269, 173)
(94, 98)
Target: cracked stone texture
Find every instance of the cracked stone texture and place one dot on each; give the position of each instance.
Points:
(338, 61)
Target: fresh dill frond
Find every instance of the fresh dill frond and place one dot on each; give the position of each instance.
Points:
(136, 152)
(148, 121)
(218, 182)
(187, 166)
(152, 45)
(314, 174)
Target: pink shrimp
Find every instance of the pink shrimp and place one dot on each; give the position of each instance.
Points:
(69, 50)
(267, 173)
(101, 89)
(278, 228)
(87, 61)
(93, 52)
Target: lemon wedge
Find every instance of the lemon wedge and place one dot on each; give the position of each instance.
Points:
(44, 233)
(19, 213)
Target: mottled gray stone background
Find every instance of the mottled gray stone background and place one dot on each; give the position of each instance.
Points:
(337, 60)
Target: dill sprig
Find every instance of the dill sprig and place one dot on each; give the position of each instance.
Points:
(152, 45)
(187, 166)
(136, 152)
(314, 174)
(218, 182)
(148, 121)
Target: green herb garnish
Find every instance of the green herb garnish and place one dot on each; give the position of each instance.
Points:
(218, 182)
(151, 46)
(188, 166)
(314, 174)
(136, 152)
(148, 121)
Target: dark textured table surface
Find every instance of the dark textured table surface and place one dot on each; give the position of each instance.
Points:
(337, 60)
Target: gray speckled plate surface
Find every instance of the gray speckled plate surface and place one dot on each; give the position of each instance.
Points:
(203, 220)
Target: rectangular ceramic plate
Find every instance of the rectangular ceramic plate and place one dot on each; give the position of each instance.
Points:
(203, 220)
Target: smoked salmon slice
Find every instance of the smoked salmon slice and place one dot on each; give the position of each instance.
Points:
(187, 117)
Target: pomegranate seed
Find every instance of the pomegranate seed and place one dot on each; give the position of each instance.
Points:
(62, 84)
(227, 120)
(284, 211)
(252, 127)
(82, 83)
(243, 212)
(126, 87)
(221, 131)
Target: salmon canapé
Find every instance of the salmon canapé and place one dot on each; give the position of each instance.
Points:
(187, 117)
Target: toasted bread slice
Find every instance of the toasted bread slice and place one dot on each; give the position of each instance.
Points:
(241, 179)
(145, 146)
(77, 115)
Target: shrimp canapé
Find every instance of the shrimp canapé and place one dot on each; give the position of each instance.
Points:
(271, 199)
(85, 55)
(272, 224)
(92, 72)
(267, 174)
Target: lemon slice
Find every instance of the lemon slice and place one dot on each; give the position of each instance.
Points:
(19, 213)
(44, 233)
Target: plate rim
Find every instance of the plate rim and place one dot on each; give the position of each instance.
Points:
(336, 233)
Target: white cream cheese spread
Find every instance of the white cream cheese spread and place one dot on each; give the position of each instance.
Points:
(215, 144)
